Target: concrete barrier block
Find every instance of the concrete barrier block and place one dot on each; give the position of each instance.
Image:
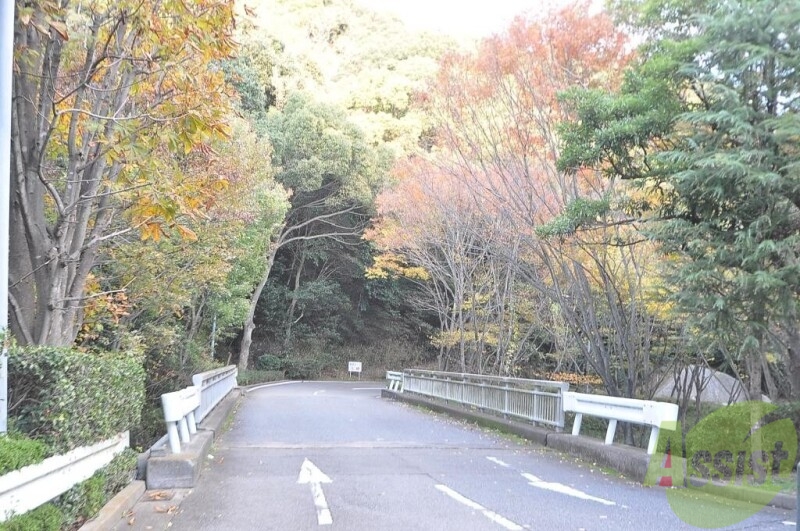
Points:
(181, 470)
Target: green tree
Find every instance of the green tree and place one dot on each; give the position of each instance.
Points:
(332, 175)
(108, 99)
(708, 125)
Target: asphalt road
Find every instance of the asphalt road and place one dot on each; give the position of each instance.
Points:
(334, 455)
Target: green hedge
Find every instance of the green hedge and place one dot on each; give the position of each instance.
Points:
(252, 377)
(17, 451)
(69, 399)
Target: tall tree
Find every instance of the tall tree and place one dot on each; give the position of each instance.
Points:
(107, 98)
(723, 158)
(333, 176)
(497, 114)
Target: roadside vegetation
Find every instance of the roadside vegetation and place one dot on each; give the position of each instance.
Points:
(605, 197)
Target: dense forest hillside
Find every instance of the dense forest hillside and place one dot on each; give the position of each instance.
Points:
(605, 196)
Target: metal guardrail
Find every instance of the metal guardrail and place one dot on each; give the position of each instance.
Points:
(214, 386)
(539, 401)
(34, 485)
(646, 412)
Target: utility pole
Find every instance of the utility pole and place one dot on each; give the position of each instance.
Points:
(6, 72)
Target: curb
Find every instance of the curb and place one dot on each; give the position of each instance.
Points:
(116, 508)
(628, 461)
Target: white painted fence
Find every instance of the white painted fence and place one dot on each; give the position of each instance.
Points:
(29, 487)
(644, 412)
(537, 401)
(394, 380)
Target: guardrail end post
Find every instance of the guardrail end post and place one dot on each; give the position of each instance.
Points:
(651, 446)
(174, 440)
(183, 429)
(612, 429)
(576, 425)
(192, 423)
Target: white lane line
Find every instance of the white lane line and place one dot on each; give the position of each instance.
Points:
(787, 522)
(498, 462)
(317, 393)
(310, 474)
(248, 389)
(563, 489)
(491, 515)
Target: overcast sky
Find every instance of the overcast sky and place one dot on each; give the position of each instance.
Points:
(476, 18)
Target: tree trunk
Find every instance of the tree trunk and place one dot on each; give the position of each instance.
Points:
(293, 304)
(249, 324)
(793, 352)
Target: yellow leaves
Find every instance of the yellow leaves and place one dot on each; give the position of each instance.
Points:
(151, 231)
(186, 233)
(574, 378)
(390, 264)
(60, 28)
(44, 17)
(101, 309)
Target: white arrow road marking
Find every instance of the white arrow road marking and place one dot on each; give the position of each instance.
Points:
(491, 515)
(312, 475)
(498, 462)
(563, 489)
(317, 393)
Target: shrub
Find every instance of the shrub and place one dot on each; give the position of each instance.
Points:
(256, 377)
(789, 410)
(120, 472)
(84, 500)
(308, 365)
(70, 399)
(269, 362)
(17, 451)
(48, 517)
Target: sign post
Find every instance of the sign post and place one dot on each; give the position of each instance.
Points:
(354, 367)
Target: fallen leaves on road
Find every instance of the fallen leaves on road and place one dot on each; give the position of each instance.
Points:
(160, 495)
(172, 509)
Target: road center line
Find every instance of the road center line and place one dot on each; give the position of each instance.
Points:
(563, 489)
(491, 515)
(498, 462)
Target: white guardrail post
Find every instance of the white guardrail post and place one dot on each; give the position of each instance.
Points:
(644, 412)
